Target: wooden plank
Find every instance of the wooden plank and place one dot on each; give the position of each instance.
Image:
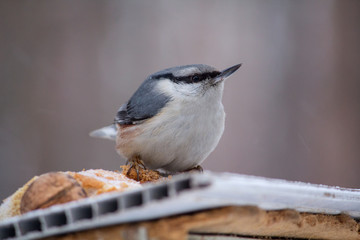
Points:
(239, 222)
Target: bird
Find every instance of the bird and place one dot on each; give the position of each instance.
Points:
(173, 121)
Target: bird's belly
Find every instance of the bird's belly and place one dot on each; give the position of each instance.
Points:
(179, 143)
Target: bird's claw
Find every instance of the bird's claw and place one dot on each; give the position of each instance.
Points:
(197, 168)
(135, 163)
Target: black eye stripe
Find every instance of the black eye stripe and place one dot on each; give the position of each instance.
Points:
(187, 79)
(213, 74)
(195, 78)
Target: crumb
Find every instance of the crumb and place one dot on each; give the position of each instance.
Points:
(145, 175)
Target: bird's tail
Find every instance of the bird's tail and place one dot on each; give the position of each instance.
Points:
(108, 132)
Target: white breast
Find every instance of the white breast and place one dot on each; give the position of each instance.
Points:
(184, 133)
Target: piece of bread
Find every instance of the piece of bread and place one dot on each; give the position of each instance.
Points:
(61, 187)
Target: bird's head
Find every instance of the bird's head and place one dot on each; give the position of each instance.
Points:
(192, 80)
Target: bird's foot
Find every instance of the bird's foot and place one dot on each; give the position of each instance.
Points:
(197, 168)
(135, 163)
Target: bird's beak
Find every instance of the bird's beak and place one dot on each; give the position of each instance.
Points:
(226, 73)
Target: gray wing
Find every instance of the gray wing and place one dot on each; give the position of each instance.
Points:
(146, 102)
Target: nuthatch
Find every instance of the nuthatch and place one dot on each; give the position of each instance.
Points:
(173, 121)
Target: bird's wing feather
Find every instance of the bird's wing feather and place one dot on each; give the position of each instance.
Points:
(146, 102)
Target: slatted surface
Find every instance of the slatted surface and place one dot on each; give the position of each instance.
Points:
(182, 194)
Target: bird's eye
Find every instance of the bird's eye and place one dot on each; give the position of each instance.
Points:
(195, 78)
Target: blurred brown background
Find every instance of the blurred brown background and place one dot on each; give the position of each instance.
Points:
(293, 109)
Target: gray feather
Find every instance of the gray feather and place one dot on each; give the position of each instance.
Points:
(146, 102)
(108, 132)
